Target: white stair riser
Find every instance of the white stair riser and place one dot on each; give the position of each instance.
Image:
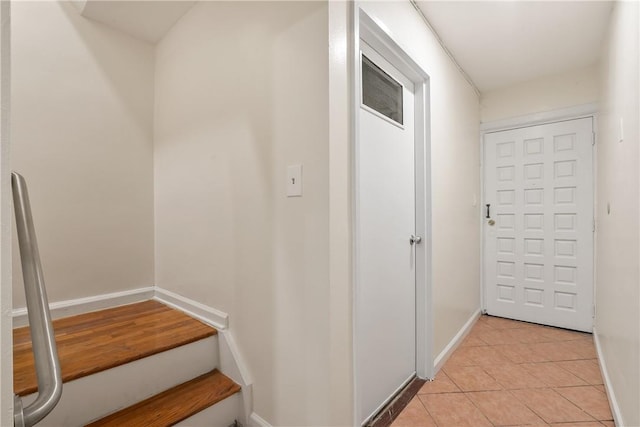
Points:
(94, 396)
(222, 414)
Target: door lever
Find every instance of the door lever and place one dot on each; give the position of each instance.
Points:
(488, 211)
(414, 239)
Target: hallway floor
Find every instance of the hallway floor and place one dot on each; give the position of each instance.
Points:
(510, 373)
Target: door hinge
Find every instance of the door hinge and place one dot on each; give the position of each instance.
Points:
(594, 226)
(593, 138)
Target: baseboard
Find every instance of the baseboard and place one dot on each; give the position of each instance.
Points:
(233, 365)
(456, 341)
(59, 309)
(256, 420)
(211, 316)
(613, 401)
(231, 361)
(85, 305)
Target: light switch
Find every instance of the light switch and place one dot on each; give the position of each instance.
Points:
(294, 181)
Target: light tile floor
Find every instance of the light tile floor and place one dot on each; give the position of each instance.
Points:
(510, 373)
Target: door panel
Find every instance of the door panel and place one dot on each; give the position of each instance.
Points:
(539, 254)
(385, 292)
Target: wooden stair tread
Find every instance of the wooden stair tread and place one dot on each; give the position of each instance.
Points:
(174, 405)
(93, 342)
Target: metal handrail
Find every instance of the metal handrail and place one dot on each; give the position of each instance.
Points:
(42, 336)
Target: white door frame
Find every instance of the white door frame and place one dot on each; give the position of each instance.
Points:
(368, 29)
(542, 118)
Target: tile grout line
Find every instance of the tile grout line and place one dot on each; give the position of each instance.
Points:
(478, 408)
(575, 345)
(561, 397)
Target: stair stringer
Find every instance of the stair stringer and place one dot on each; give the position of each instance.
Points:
(231, 363)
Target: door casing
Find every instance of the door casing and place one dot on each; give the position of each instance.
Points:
(368, 29)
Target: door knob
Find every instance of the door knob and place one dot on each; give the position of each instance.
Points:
(414, 239)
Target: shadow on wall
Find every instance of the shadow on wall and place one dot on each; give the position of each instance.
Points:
(241, 92)
(82, 127)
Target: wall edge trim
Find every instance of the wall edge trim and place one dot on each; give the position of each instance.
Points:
(87, 304)
(204, 313)
(441, 358)
(613, 401)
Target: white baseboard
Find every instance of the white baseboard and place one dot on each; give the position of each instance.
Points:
(231, 361)
(455, 342)
(613, 401)
(233, 365)
(211, 316)
(85, 305)
(257, 421)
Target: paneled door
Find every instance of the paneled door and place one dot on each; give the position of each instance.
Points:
(385, 300)
(538, 224)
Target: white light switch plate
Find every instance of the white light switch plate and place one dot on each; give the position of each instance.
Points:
(621, 131)
(294, 181)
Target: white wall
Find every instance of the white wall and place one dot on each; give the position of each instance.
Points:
(82, 129)
(6, 288)
(568, 89)
(618, 236)
(242, 91)
(455, 163)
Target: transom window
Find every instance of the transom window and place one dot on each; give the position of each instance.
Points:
(380, 91)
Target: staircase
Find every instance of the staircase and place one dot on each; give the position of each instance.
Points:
(142, 364)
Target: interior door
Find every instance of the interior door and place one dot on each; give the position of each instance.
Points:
(385, 335)
(538, 228)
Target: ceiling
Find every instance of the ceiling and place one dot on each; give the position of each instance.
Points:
(501, 43)
(497, 43)
(146, 20)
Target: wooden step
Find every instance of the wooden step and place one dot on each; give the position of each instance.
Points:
(97, 341)
(175, 404)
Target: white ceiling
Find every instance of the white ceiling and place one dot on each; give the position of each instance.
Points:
(146, 20)
(501, 43)
(497, 43)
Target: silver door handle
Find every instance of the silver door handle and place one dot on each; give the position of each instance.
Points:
(414, 239)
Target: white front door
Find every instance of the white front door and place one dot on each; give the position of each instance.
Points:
(538, 255)
(385, 304)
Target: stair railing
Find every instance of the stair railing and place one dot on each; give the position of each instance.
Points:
(42, 335)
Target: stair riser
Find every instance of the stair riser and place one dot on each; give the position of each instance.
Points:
(222, 414)
(89, 398)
